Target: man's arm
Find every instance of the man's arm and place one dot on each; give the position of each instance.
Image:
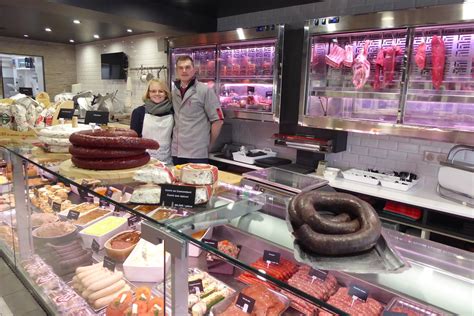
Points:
(215, 131)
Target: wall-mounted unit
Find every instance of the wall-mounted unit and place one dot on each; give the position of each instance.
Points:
(244, 66)
(406, 73)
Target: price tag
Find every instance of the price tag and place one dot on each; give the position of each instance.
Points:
(73, 215)
(177, 195)
(103, 203)
(50, 201)
(98, 117)
(268, 94)
(95, 245)
(66, 114)
(56, 207)
(357, 292)
(250, 90)
(36, 192)
(388, 313)
(245, 303)
(317, 274)
(109, 263)
(132, 220)
(109, 192)
(271, 257)
(127, 189)
(211, 242)
(195, 287)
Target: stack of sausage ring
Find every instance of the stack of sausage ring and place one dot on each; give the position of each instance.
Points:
(109, 149)
(352, 225)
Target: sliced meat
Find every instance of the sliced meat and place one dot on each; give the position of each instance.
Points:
(438, 59)
(420, 56)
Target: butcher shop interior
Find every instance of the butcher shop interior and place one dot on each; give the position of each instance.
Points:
(258, 157)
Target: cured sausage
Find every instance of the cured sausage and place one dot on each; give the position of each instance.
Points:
(309, 204)
(313, 234)
(84, 152)
(112, 164)
(112, 138)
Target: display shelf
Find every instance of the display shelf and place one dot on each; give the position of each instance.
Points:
(360, 94)
(259, 77)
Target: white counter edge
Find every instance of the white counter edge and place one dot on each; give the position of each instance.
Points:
(212, 156)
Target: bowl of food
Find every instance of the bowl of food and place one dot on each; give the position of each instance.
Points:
(121, 245)
(55, 233)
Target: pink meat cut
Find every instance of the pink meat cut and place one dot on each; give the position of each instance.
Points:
(438, 59)
(389, 64)
(420, 57)
(378, 68)
(349, 57)
(336, 56)
(361, 67)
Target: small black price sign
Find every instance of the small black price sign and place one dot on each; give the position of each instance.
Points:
(83, 192)
(250, 90)
(245, 303)
(177, 195)
(109, 263)
(268, 94)
(109, 192)
(103, 203)
(50, 201)
(271, 257)
(389, 313)
(56, 207)
(211, 242)
(195, 287)
(95, 245)
(132, 220)
(98, 117)
(357, 292)
(127, 189)
(73, 215)
(319, 274)
(36, 192)
(66, 114)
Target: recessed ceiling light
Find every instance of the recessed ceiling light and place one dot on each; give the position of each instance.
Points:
(76, 22)
(71, 41)
(26, 35)
(47, 29)
(96, 36)
(129, 30)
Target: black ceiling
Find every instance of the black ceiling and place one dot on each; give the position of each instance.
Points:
(111, 18)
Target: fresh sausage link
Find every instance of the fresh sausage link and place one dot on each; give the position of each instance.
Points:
(113, 138)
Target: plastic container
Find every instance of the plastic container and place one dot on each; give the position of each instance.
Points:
(195, 251)
(402, 305)
(396, 183)
(362, 176)
(113, 225)
(331, 173)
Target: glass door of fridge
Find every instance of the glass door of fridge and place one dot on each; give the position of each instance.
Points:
(204, 62)
(247, 76)
(356, 76)
(441, 78)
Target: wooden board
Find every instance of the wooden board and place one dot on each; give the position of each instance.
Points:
(67, 169)
(230, 178)
(44, 156)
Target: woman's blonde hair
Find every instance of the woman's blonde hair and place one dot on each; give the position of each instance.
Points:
(162, 85)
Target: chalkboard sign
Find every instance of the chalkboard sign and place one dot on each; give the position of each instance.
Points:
(98, 117)
(66, 114)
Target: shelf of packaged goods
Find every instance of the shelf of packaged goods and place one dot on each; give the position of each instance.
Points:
(267, 77)
(353, 94)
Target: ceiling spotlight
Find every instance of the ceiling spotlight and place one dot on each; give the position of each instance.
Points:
(96, 36)
(47, 29)
(76, 22)
(26, 35)
(71, 41)
(129, 30)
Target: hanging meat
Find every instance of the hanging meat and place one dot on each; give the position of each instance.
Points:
(349, 56)
(390, 55)
(420, 56)
(336, 56)
(361, 67)
(378, 69)
(438, 59)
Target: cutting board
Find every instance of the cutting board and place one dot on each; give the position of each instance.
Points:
(67, 169)
(44, 156)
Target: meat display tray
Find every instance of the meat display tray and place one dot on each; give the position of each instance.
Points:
(380, 259)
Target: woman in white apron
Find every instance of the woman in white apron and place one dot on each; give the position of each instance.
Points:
(154, 119)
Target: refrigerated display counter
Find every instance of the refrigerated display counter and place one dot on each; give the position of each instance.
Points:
(405, 73)
(53, 233)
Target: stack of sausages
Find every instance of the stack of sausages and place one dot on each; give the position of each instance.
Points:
(355, 227)
(109, 149)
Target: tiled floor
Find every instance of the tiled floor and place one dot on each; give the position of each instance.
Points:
(15, 300)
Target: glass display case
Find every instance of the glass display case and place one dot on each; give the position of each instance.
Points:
(79, 245)
(248, 80)
(405, 73)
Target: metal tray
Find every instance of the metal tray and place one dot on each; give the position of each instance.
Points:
(380, 259)
(220, 307)
(412, 307)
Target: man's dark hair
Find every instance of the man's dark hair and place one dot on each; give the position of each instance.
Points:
(184, 58)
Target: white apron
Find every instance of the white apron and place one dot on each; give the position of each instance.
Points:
(159, 128)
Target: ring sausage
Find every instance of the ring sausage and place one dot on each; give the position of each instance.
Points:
(112, 164)
(112, 138)
(84, 152)
(315, 236)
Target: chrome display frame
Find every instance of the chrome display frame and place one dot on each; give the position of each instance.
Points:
(386, 20)
(231, 37)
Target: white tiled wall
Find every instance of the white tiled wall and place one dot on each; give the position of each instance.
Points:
(141, 50)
